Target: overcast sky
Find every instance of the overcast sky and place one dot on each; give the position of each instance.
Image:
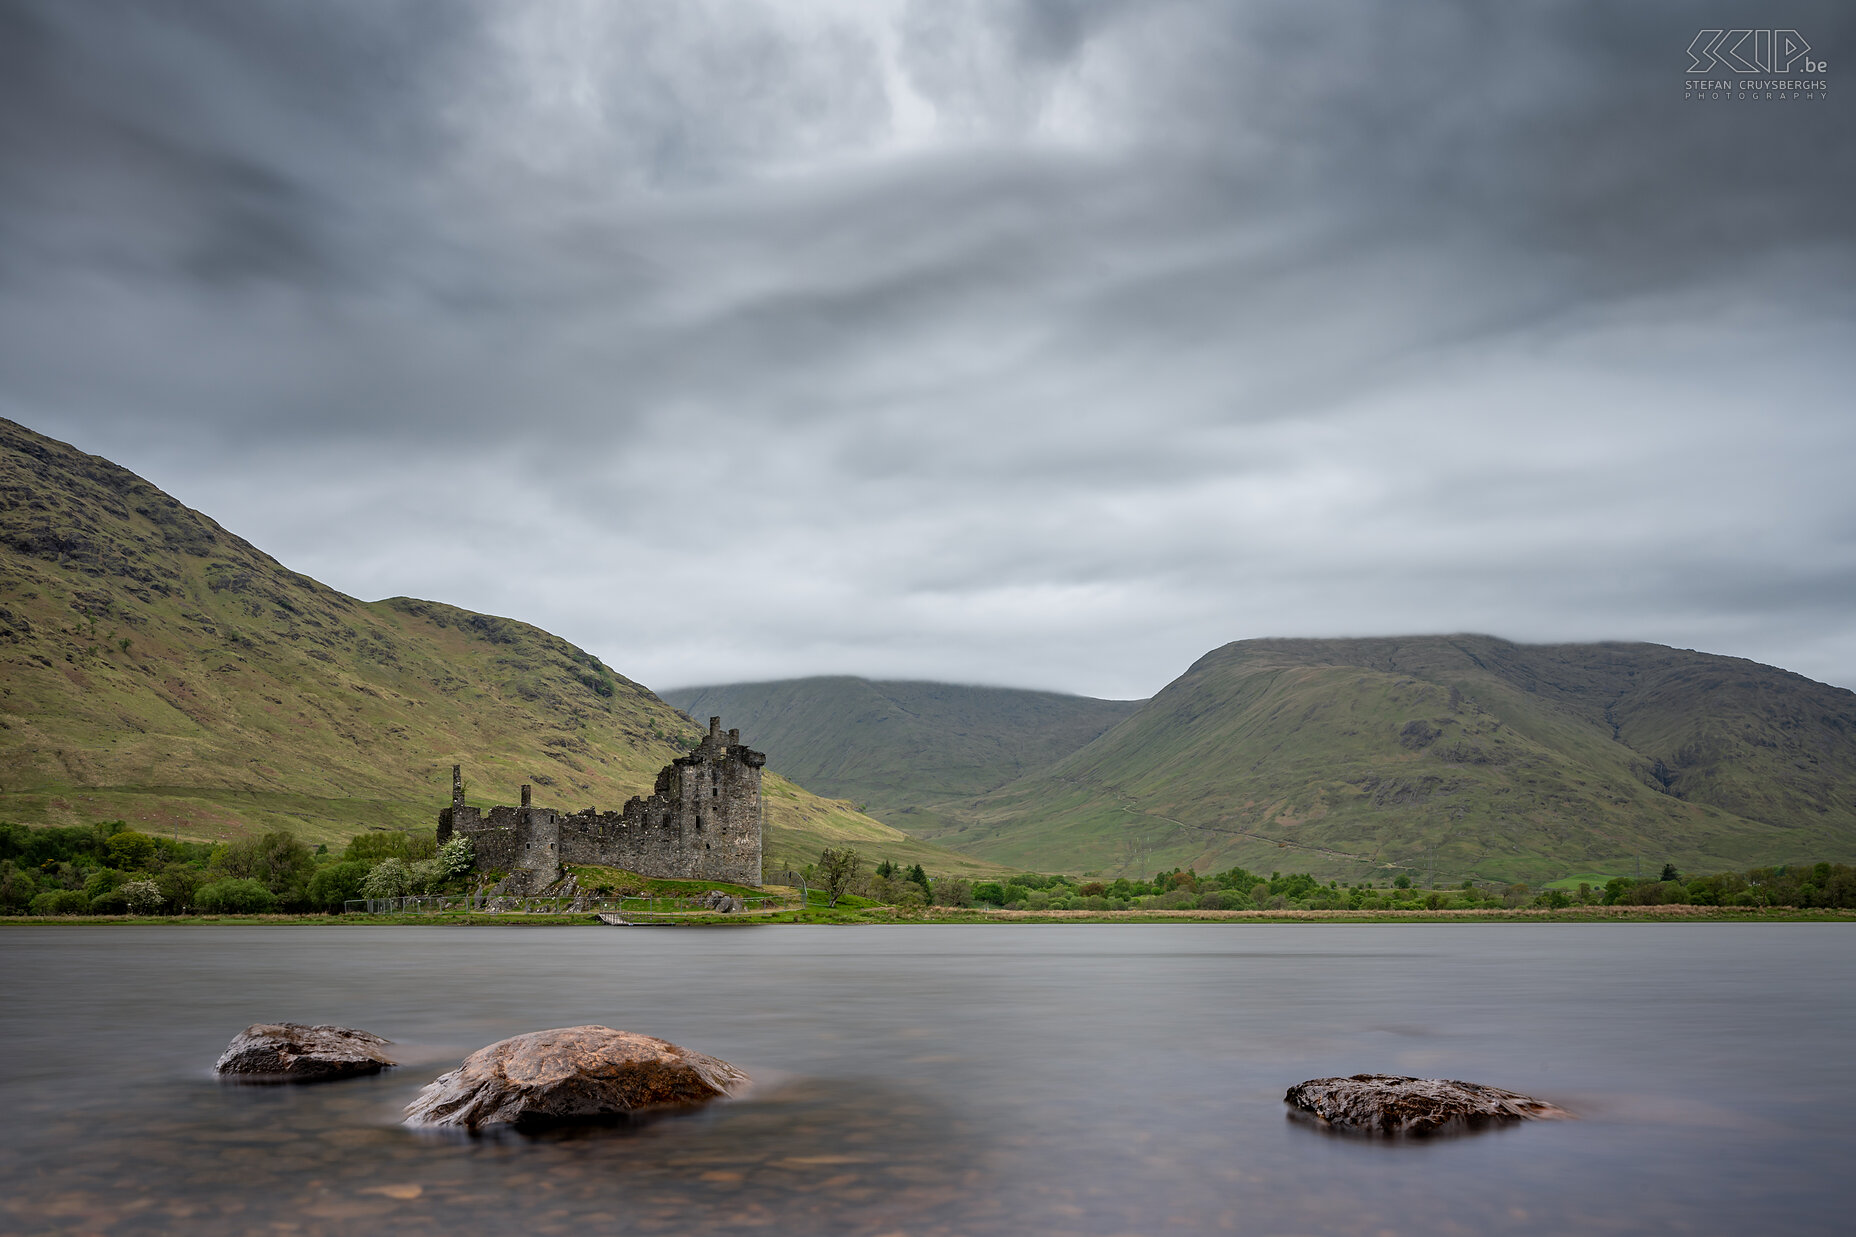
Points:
(1044, 344)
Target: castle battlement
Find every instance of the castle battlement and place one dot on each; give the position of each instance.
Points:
(701, 821)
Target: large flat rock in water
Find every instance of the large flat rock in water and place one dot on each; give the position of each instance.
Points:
(1392, 1104)
(572, 1074)
(292, 1052)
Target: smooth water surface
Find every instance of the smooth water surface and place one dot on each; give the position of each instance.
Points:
(931, 1080)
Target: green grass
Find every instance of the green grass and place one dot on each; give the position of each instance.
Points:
(1595, 879)
(868, 914)
(1483, 759)
(160, 670)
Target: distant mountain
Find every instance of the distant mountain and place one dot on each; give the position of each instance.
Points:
(1467, 754)
(161, 670)
(904, 748)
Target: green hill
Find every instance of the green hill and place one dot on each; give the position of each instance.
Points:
(160, 670)
(902, 749)
(1475, 756)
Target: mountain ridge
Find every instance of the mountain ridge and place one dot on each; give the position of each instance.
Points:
(1481, 757)
(160, 669)
(904, 745)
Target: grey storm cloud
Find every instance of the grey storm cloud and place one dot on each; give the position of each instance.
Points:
(1038, 343)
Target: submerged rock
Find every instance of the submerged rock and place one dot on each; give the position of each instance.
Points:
(1391, 1104)
(571, 1074)
(292, 1052)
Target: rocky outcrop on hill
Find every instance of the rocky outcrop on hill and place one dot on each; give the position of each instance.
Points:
(1391, 1104)
(292, 1052)
(570, 1074)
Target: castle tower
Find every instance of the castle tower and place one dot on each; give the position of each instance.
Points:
(702, 821)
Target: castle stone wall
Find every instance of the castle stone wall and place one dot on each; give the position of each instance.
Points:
(702, 821)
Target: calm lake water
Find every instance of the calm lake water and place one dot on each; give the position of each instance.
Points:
(935, 1080)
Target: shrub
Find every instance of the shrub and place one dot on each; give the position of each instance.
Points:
(241, 896)
(389, 878)
(109, 902)
(61, 902)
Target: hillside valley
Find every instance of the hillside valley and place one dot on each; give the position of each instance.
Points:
(1460, 757)
(902, 749)
(158, 669)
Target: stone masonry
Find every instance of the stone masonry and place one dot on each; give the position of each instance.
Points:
(702, 821)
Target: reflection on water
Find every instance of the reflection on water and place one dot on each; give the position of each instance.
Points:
(945, 1080)
(802, 1156)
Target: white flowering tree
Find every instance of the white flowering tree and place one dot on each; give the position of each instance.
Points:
(456, 857)
(390, 878)
(143, 896)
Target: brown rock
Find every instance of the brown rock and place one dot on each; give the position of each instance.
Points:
(291, 1052)
(1391, 1104)
(571, 1074)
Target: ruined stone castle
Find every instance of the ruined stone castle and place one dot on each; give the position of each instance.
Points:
(702, 821)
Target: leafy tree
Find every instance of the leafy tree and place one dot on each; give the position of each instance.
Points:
(837, 869)
(179, 884)
(102, 881)
(953, 891)
(377, 844)
(17, 886)
(1403, 881)
(235, 896)
(279, 861)
(991, 893)
(920, 877)
(130, 850)
(336, 883)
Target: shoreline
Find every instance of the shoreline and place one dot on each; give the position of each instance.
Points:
(880, 916)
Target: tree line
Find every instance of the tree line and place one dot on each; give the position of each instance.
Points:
(111, 869)
(840, 872)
